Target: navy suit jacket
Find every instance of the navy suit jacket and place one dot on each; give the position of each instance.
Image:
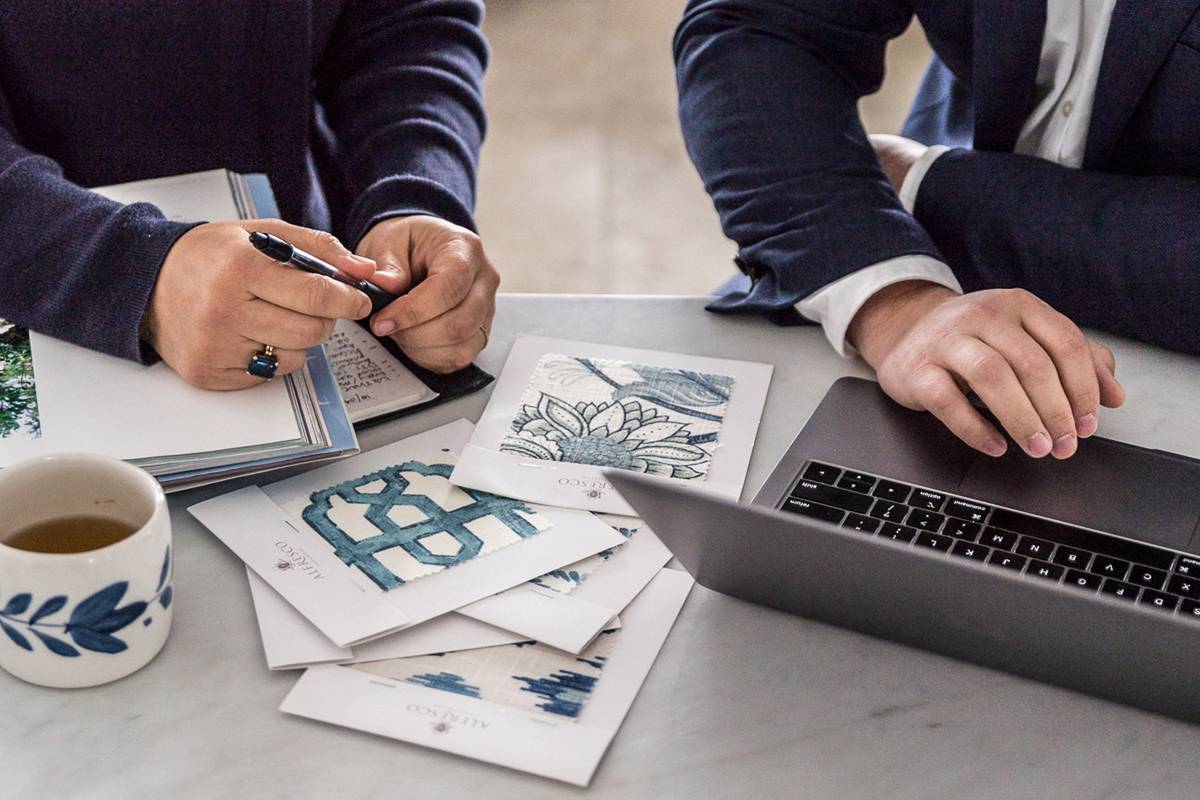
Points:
(768, 102)
(357, 110)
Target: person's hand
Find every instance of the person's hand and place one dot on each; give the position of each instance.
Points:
(1031, 366)
(448, 287)
(218, 301)
(896, 155)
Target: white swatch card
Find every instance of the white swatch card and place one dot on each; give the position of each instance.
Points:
(524, 707)
(383, 541)
(573, 604)
(562, 412)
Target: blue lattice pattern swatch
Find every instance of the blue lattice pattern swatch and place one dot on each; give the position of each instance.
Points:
(407, 521)
(656, 420)
(527, 676)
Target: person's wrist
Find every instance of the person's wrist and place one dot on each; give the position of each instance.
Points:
(889, 314)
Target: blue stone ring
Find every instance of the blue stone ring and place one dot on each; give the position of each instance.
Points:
(263, 364)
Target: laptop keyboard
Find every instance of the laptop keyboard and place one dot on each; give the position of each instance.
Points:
(1085, 560)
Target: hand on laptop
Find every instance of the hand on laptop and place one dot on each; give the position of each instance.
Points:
(1032, 367)
(447, 287)
(218, 301)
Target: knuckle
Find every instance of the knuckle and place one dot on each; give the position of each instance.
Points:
(459, 330)
(311, 331)
(1031, 362)
(1059, 420)
(316, 292)
(986, 368)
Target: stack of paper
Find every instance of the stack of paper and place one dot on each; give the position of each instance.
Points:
(482, 580)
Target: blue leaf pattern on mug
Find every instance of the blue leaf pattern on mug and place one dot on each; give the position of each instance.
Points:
(656, 420)
(91, 625)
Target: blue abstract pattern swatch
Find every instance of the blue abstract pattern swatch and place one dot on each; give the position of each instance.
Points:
(406, 521)
(527, 676)
(569, 578)
(656, 420)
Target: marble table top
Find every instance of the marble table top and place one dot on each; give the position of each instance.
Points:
(742, 702)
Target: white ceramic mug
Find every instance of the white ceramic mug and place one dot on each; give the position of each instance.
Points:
(82, 619)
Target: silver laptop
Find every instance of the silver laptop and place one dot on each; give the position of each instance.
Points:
(1083, 573)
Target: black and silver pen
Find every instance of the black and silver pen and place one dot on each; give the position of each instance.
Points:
(271, 245)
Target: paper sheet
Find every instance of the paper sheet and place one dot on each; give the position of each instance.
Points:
(372, 381)
(544, 439)
(561, 747)
(255, 524)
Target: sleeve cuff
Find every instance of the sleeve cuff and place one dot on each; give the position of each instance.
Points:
(916, 174)
(835, 304)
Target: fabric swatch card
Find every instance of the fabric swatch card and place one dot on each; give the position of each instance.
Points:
(522, 706)
(565, 609)
(385, 531)
(564, 411)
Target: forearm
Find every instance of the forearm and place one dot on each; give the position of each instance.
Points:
(768, 103)
(402, 89)
(75, 265)
(1115, 252)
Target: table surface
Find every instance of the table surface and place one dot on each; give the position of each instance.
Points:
(742, 702)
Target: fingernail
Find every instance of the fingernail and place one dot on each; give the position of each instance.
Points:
(364, 309)
(1039, 444)
(1064, 446)
(995, 447)
(1086, 425)
(384, 326)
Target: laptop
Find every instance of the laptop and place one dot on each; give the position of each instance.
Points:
(1082, 573)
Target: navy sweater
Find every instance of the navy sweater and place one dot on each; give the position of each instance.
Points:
(357, 110)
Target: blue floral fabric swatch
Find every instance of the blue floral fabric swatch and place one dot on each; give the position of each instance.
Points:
(407, 521)
(527, 676)
(656, 420)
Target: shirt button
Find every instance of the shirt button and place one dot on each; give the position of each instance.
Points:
(1068, 107)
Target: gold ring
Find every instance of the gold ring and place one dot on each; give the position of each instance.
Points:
(269, 350)
(483, 330)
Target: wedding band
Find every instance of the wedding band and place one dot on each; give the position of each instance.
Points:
(263, 363)
(483, 330)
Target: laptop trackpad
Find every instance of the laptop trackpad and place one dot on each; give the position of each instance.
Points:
(1107, 486)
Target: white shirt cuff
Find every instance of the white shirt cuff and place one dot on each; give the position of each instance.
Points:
(916, 174)
(835, 304)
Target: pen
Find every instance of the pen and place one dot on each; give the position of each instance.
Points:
(271, 245)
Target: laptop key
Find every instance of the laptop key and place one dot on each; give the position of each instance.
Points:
(966, 509)
(934, 541)
(927, 500)
(994, 537)
(1082, 539)
(803, 507)
(1070, 557)
(1044, 569)
(1007, 560)
(1159, 601)
(862, 487)
(889, 511)
(976, 552)
(1188, 566)
(1110, 567)
(1190, 609)
(961, 529)
(899, 533)
(1120, 589)
(831, 496)
(1034, 548)
(1082, 580)
(925, 520)
(890, 490)
(857, 522)
(1188, 587)
(1147, 576)
(821, 473)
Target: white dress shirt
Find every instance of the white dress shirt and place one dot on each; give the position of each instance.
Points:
(1069, 67)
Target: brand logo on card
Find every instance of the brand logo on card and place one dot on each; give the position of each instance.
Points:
(444, 719)
(591, 489)
(296, 560)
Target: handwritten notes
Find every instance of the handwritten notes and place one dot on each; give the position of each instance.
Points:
(372, 381)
